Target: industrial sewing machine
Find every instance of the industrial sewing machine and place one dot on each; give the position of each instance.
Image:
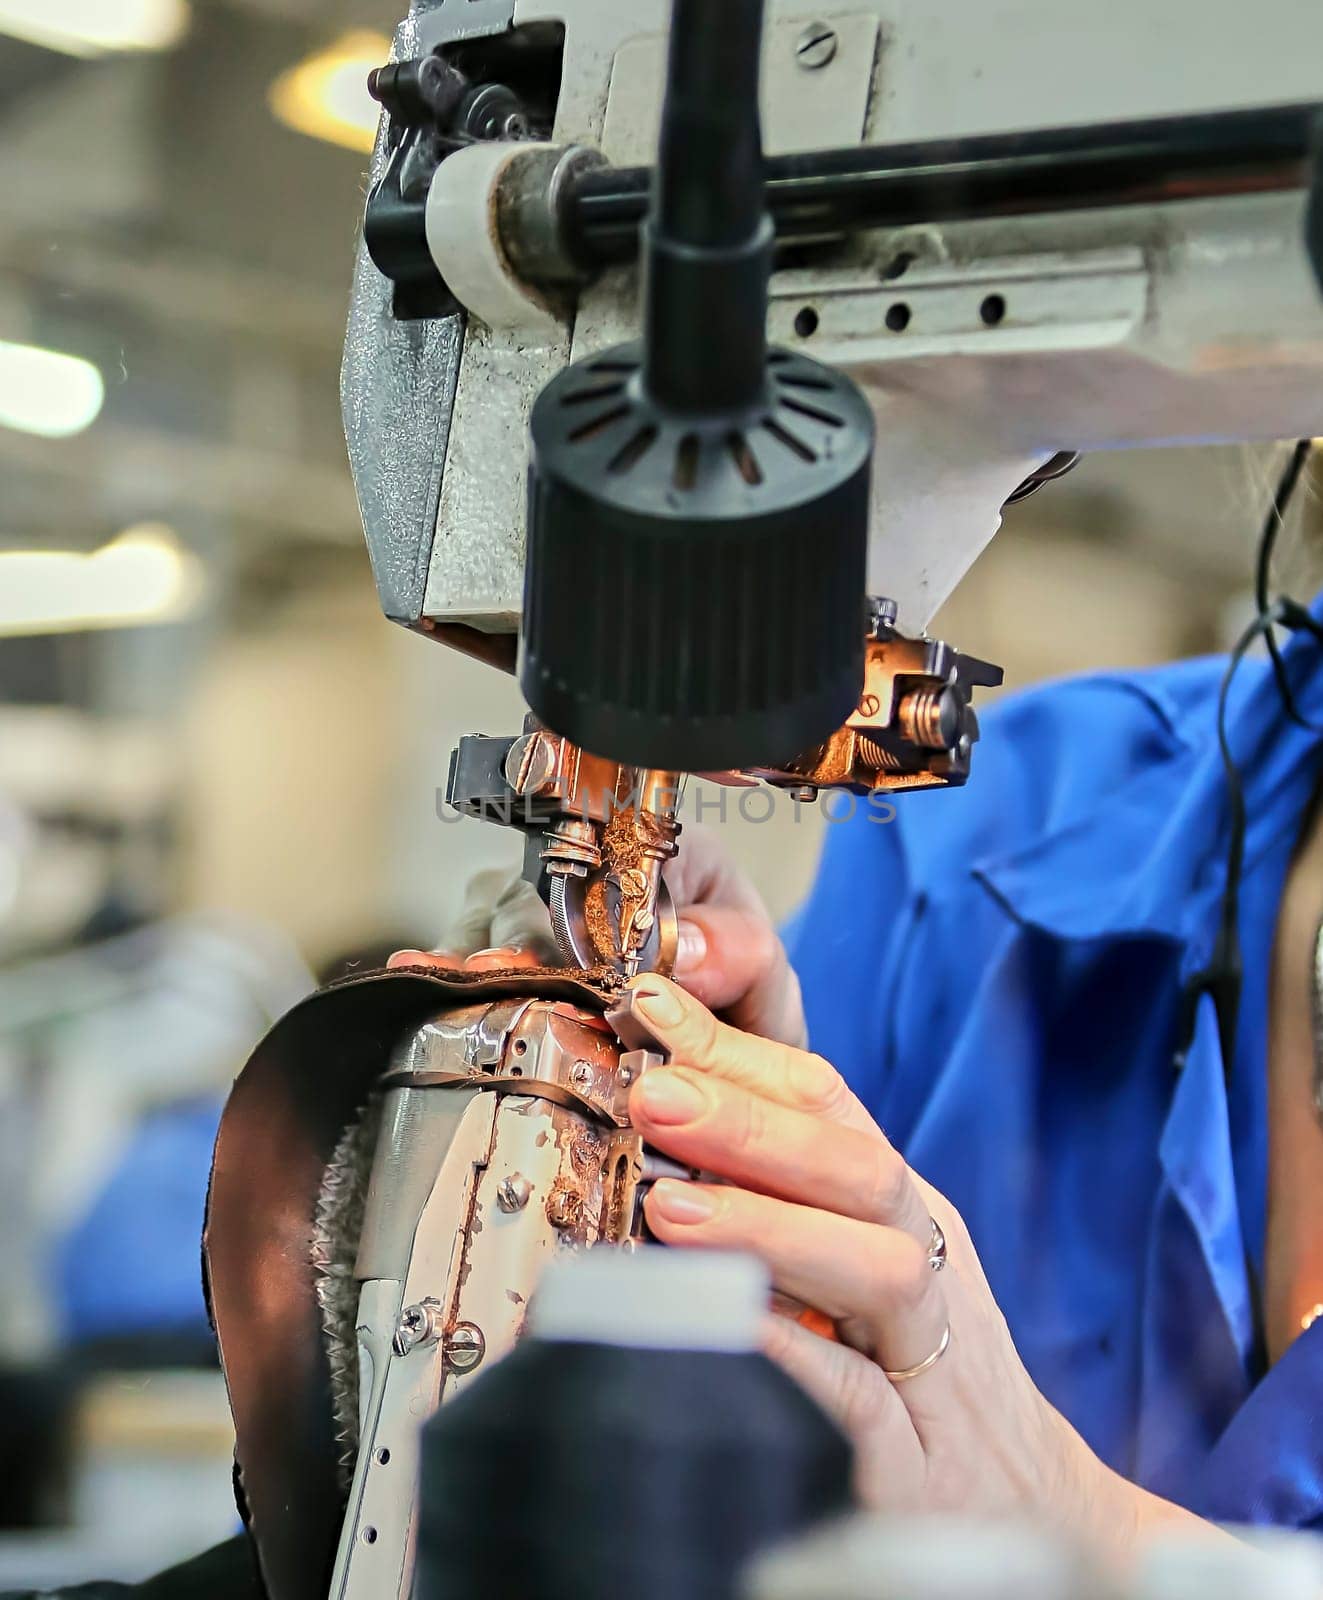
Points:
(984, 238)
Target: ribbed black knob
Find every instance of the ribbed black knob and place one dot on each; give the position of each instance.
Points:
(694, 589)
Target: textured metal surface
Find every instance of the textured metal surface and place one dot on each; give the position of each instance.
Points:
(573, 933)
(443, 21)
(399, 378)
(477, 573)
(1210, 330)
(376, 1549)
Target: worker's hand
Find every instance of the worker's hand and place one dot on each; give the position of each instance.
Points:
(807, 1181)
(729, 954)
(502, 924)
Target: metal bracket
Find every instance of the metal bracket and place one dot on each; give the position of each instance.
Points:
(521, 1048)
(448, 21)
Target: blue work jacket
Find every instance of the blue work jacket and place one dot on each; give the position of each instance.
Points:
(999, 973)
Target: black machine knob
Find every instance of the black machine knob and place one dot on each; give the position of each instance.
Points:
(698, 504)
(695, 583)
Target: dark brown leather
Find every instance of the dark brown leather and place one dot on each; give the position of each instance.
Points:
(285, 1114)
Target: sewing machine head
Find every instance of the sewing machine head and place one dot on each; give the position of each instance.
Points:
(700, 535)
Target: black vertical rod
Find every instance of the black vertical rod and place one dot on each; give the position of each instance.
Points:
(708, 239)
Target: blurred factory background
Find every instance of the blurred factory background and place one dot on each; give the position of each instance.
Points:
(219, 767)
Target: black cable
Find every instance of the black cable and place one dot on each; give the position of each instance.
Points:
(1223, 976)
(708, 241)
(1263, 570)
(708, 186)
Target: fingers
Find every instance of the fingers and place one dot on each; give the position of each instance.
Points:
(520, 921)
(782, 1072)
(729, 953)
(502, 925)
(766, 1116)
(704, 873)
(847, 1385)
(500, 960)
(502, 913)
(873, 1282)
(441, 960)
(889, 1457)
(503, 959)
(472, 927)
(722, 1128)
(733, 961)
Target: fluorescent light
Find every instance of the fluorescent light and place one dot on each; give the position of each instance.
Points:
(46, 393)
(144, 576)
(327, 96)
(95, 27)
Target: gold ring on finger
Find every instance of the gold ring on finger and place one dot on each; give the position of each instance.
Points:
(906, 1373)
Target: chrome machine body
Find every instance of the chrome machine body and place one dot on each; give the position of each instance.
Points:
(504, 1138)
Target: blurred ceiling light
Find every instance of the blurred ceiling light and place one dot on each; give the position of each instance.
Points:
(327, 97)
(44, 392)
(144, 576)
(96, 27)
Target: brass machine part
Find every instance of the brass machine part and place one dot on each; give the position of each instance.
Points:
(600, 833)
(656, 831)
(622, 900)
(920, 715)
(912, 729)
(571, 1061)
(615, 829)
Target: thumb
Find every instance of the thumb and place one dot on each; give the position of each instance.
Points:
(734, 962)
(521, 922)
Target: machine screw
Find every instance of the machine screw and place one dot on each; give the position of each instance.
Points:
(564, 1208)
(417, 1324)
(816, 46)
(634, 881)
(582, 1075)
(881, 615)
(531, 765)
(465, 1347)
(805, 793)
(513, 1191)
